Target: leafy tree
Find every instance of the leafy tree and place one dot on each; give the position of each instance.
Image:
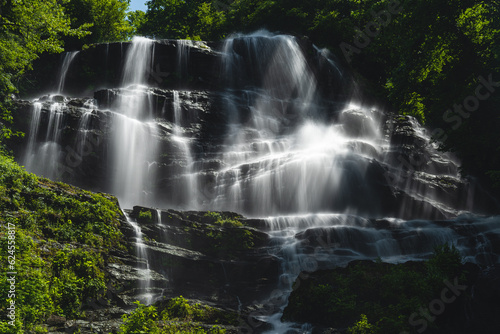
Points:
(185, 19)
(136, 20)
(106, 19)
(167, 19)
(209, 22)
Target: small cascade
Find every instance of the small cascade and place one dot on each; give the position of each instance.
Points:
(183, 47)
(283, 89)
(158, 217)
(429, 178)
(68, 59)
(161, 226)
(188, 183)
(43, 158)
(142, 258)
(84, 126)
(138, 62)
(28, 160)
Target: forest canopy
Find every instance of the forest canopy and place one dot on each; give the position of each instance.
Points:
(435, 60)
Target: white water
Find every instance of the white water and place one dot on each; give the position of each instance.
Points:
(133, 150)
(283, 159)
(146, 296)
(321, 241)
(43, 159)
(138, 61)
(29, 156)
(188, 182)
(183, 47)
(68, 58)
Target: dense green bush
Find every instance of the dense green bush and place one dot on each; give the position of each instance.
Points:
(232, 238)
(384, 293)
(141, 320)
(177, 316)
(145, 216)
(45, 214)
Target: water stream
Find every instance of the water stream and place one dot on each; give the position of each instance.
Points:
(67, 60)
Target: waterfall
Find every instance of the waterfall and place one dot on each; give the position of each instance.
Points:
(133, 149)
(28, 159)
(138, 61)
(68, 58)
(326, 241)
(283, 159)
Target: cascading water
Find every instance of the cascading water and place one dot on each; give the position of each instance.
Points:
(183, 57)
(132, 148)
(43, 158)
(68, 58)
(28, 160)
(284, 159)
(143, 263)
(188, 180)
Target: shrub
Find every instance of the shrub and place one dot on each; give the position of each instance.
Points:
(362, 327)
(145, 216)
(141, 320)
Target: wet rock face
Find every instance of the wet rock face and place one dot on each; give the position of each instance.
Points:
(100, 66)
(215, 256)
(393, 180)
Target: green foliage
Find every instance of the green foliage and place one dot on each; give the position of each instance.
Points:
(145, 216)
(136, 20)
(218, 219)
(362, 327)
(179, 308)
(141, 320)
(32, 295)
(106, 19)
(178, 316)
(183, 20)
(56, 210)
(445, 262)
(233, 237)
(78, 275)
(384, 293)
(51, 280)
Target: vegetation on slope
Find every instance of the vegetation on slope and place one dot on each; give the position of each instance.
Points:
(177, 315)
(37, 218)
